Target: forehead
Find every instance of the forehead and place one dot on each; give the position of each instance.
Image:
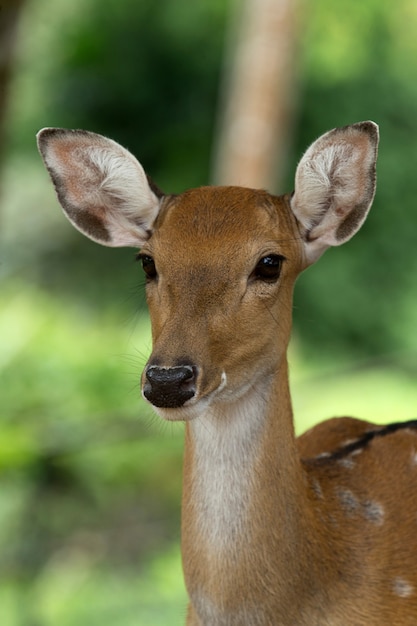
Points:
(223, 216)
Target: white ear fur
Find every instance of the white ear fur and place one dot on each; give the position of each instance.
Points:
(335, 185)
(102, 188)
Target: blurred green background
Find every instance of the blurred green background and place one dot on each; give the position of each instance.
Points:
(90, 480)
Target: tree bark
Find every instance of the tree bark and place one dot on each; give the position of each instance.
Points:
(258, 96)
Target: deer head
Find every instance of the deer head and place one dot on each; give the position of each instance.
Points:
(220, 262)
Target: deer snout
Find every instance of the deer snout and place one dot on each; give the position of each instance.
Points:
(169, 387)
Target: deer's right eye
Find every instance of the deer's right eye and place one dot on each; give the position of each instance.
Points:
(148, 265)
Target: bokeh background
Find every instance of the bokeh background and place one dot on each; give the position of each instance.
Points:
(90, 480)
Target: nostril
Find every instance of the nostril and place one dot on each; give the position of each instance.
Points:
(169, 387)
(190, 374)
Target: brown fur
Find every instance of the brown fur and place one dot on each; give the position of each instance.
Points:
(323, 544)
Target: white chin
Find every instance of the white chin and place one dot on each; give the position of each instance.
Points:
(185, 413)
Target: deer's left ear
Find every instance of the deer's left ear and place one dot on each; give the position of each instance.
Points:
(335, 185)
(102, 188)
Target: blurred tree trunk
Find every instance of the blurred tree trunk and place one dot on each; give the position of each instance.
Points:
(258, 95)
(10, 11)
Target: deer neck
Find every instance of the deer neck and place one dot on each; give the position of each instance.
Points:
(244, 499)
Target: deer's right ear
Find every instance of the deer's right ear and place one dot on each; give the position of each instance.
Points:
(102, 188)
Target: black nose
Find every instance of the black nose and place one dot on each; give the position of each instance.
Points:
(169, 387)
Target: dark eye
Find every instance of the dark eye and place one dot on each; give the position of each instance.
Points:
(268, 268)
(148, 265)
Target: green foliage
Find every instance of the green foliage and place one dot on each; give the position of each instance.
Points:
(91, 485)
(145, 73)
(73, 591)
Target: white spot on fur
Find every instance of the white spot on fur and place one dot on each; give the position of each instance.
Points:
(348, 500)
(346, 463)
(223, 382)
(317, 489)
(323, 455)
(402, 588)
(373, 512)
(414, 458)
(349, 442)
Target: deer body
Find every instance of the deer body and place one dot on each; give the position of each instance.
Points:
(319, 531)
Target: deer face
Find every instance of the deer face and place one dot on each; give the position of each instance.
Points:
(220, 265)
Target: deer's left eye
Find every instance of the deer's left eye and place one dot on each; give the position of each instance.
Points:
(268, 268)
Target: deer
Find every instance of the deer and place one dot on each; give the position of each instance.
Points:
(319, 530)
